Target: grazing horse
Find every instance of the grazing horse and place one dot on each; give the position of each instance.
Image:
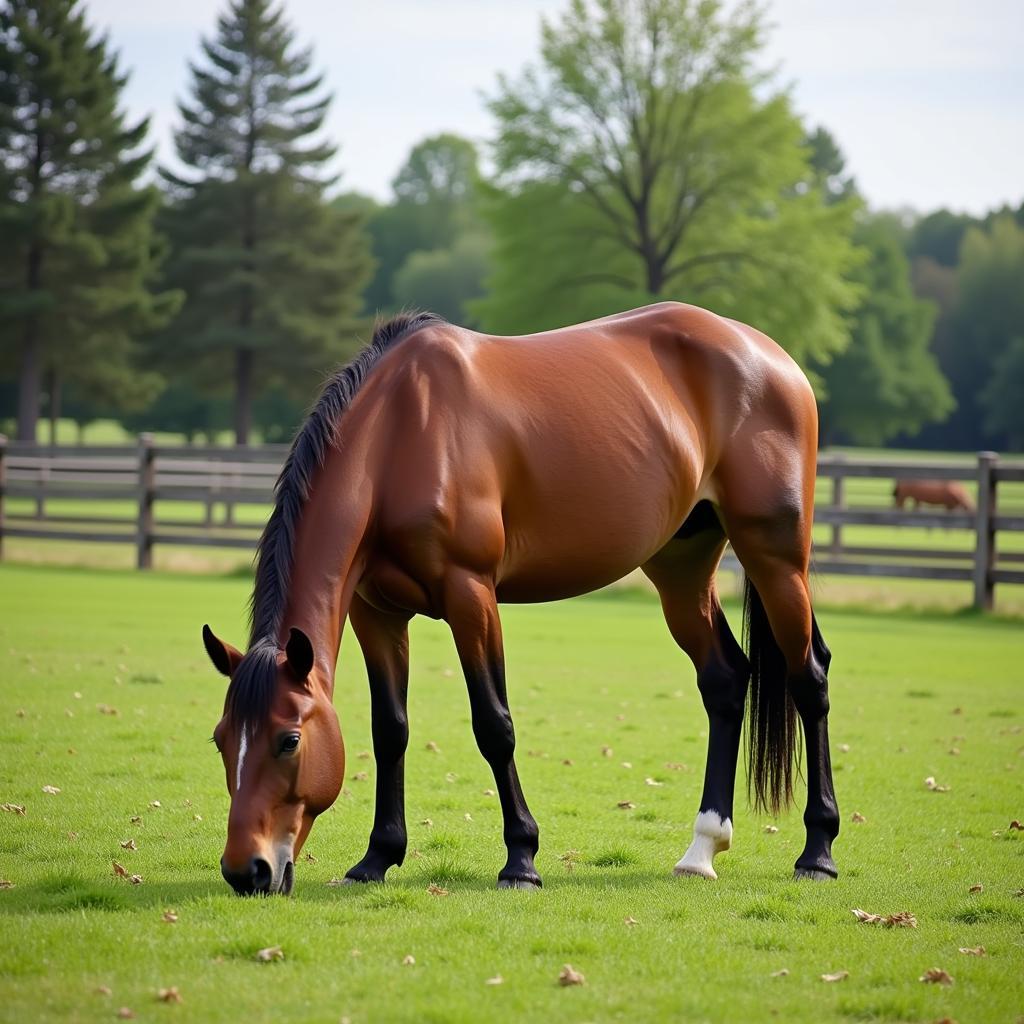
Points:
(444, 471)
(946, 493)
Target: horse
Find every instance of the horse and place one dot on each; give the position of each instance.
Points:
(946, 493)
(444, 471)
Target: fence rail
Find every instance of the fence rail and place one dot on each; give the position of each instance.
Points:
(146, 479)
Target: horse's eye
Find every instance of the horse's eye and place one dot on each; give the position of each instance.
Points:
(290, 743)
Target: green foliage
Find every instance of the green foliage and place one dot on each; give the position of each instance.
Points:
(1003, 396)
(79, 257)
(444, 280)
(645, 158)
(272, 272)
(886, 381)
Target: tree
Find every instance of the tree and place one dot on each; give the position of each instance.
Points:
(1002, 396)
(445, 280)
(886, 381)
(272, 272)
(645, 158)
(829, 166)
(79, 258)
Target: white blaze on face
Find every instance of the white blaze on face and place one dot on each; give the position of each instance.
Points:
(243, 746)
(711, 834)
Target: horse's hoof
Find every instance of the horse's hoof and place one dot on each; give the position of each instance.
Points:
(695, 871)
(518, 883)
(812, 874)
(351, 880)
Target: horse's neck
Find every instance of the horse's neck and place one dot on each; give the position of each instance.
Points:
(326, 562)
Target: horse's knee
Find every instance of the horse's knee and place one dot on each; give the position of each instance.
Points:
(722, 683)
(809, 689)
(495, 734)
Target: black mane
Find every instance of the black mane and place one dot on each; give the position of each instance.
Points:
(252, 686)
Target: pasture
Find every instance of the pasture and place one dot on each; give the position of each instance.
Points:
(106, 695)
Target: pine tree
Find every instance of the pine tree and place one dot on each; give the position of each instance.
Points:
(273, 274)
(79, 256)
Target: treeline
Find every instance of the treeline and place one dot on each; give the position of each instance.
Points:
(642, 156)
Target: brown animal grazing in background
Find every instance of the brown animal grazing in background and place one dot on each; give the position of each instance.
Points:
(947, 493)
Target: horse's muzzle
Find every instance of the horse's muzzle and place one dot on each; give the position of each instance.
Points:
(258, 878)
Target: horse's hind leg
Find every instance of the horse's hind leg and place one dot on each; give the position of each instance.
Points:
(472, 612)
(684, 574)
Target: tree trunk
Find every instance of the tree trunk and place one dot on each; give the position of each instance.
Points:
(243, 395)
(54, 389)
(30, 376)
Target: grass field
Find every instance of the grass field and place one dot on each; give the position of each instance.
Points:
(907, 690)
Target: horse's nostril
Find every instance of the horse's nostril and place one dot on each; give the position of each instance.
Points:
(240, 881)
(262, 874)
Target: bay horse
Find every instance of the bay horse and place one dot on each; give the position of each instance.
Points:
(444, 471)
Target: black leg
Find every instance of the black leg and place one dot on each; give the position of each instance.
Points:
(472, 613)
(821, 818)
(385, 643)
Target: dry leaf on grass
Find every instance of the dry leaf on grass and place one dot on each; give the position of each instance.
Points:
(169, 995)
(436, 890)
(570, 976)
(844, 748)
(567, 762)
(838, 976)
(467, 816)
(954, 751)
(625, 805)
(335, 882)
(857, 818)
(652, 782)
(569, 859)
(128, 844)
(52, 790)
(13, 808)
(363, 755)
(360, 776)
(676, 766)
(972, 950)
(627, 764)
(904, 919)
(450, 777)
(488, 792)
(6, 883)
(433, 747)
(607, 752)
(171, 916)
(630, 921)
(106, 709)
(1018, 893)
(125, 1013)
(154, 803)
(496, 980)
(408, 960)
(977, 887)
(136, 819)
(270, 954)
(427, 821)
(309, 858)
(771, 829)
(781, 973)
(931, 784)
(20, 712)
(103, 990)
(120, 870)
(936, 976)
(1016, 826)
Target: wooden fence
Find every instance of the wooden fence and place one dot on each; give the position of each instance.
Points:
(112, 494)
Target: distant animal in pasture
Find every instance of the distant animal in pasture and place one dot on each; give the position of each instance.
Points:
(444, 471)
(946, 493)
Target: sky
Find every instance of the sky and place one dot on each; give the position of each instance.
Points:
(925, 97)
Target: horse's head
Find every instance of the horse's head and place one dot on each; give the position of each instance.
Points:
(283, 757)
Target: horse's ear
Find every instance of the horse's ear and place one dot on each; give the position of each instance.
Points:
(299, 651)
(225, 658)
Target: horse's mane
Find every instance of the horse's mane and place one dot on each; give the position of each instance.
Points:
(252, 687)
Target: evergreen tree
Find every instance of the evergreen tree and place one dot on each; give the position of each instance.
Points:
(271, 271)
(79, 254)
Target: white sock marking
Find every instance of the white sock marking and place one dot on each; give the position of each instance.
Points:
(243, 746)
(711, 834)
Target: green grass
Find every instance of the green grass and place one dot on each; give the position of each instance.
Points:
(906, 689)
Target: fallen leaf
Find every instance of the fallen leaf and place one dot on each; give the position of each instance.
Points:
(433, 747)
(309, 858)
(1018, 893)
(408, 960)
(270, 954)
(567, 762)
(844, 748)
(103, 990)
(781, 973)
(120, 870)
(52, 790)
(20, 712)
(569, 859)
(450, 777)
(363, 755)
(136, 819)
(135, 879)
(6, 883)
(427, 822)
(936, 976)
(652, 782)
(631, 921)
(13, 808)
(335, 882)
(436, 890)
(106, 709)
(467, 816)
(607, 751)
(903, 919)
(627, 764)
(128, 844)
(570, 976)
(169, 995)
(857, 818)
(954, 751)
(973, 951)
(625, 805)
(1016, 826)
(958, 711)
(488, 792)
(355, 953)
(496, 980)
(360, 776)
(171, 916)
(197, 817)
(771, 829)
(931, 784)
(977, 887)
(838, 976)
(125, 1014)
(676, 766)
(154, 803)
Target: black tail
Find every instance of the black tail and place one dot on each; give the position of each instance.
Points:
(772, 730)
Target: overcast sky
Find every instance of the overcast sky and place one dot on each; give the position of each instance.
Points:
(926, 97)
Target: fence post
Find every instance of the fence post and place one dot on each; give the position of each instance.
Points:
(3, 488)
(147, 486)
(838, 501)
(985, 535)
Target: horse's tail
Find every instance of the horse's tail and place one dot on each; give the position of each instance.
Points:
(772, 732)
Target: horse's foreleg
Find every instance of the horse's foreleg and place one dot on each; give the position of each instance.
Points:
(472, 612)
(384, 640)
